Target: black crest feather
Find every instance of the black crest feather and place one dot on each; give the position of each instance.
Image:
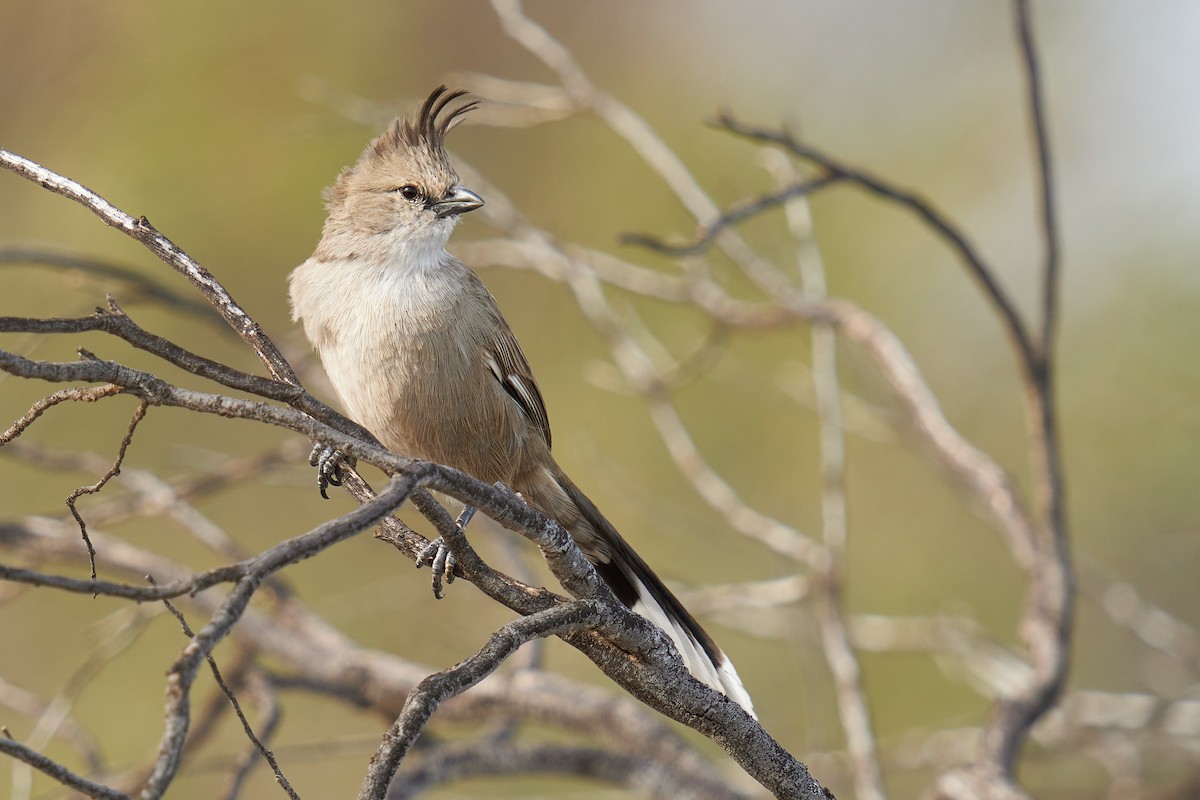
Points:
(433, 120)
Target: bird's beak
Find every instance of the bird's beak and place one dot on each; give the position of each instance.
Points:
(459, 200)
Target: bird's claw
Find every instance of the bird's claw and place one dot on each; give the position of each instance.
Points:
(329, 463)
(438, 557)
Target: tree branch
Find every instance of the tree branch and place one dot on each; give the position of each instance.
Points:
(1045, 173)
(434, 690)
(829, 609)
(269, 757)
(660, 679)
(138, 415)
(947, 230)
(143, 232)
(58, 771)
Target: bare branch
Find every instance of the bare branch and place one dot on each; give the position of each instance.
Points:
(1047, 619)
(142, 231)
(1013, 323)
(138, 415)
(829, 611)
(280, 778)
(58, 771)
(1041, 138)
(114, 321)
(434, 690)
(86, 394)
(739, 212)
(273, 716)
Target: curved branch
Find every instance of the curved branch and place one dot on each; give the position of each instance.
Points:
(656, 676)
(737, 213)
(183, 671)
(427, 695)
(59, 772)
(1048, 617)
(1041, 138)
(1014, 324)
(280, 778)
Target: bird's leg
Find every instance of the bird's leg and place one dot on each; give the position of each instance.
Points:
(329, 463)
(464, 518)
(438, 556)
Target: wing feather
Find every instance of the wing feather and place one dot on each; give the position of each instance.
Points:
(509, 366)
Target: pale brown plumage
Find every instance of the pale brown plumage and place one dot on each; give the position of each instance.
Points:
(421, 356)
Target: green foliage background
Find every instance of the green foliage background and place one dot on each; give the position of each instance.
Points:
(200, 116)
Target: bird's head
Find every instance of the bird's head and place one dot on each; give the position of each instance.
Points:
(403, 185)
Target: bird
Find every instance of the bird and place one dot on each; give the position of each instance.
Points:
(419, 354)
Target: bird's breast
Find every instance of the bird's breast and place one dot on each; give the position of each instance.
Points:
(405, 355)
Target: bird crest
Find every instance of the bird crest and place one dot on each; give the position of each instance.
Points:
(429, 128)
(413, 148)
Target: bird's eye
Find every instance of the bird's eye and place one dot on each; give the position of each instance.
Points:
(409, 192)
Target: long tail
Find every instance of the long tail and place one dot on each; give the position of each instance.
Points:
(636, 585)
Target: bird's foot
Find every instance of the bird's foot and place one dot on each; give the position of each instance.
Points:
(329, 463)
(438, 556)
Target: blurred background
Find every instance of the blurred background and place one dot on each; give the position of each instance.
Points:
(223, 121)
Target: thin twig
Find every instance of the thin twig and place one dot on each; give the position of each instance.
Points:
(57, 771)
(272, 716)
(1048, 213)
(736, 213)
(139, 414)
(1047, 620)
(86, 394)
(280, 778)
(829, 609)
(949, 232)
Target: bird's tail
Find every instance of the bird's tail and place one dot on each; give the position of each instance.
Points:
(636, 585)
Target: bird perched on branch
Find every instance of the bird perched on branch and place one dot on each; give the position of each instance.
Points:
(421, 356)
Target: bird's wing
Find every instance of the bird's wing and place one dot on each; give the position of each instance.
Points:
(508, 365)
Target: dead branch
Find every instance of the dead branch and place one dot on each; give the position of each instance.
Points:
(434, 690)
